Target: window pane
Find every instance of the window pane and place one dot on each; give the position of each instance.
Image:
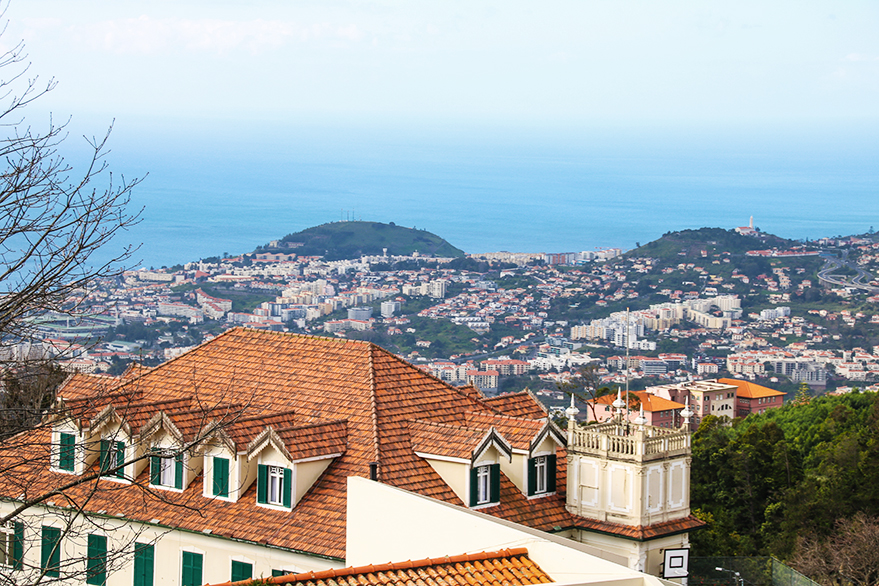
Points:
(484, 485)
(276, 483)
(167, 474)
(540, 473)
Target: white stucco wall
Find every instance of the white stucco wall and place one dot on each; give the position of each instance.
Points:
(169, 544)
(386, 524)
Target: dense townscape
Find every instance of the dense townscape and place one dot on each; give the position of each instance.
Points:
(507, 321)
(476, 379)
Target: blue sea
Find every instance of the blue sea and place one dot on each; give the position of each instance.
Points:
(218, 188)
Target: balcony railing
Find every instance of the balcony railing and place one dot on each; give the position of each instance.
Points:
(628, 441)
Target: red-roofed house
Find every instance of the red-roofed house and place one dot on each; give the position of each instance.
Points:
(238, 452)
(753, 398)
(658, 411)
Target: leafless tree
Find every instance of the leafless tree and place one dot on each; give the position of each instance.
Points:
(848, 556)
(53, 218)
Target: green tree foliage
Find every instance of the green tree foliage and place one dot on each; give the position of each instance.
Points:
(769, 479)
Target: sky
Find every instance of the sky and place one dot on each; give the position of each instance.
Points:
(386, 108)
(518, 63)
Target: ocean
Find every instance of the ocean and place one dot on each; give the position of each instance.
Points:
(214, 189)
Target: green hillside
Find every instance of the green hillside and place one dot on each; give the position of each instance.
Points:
(342, 240)
(676, 246)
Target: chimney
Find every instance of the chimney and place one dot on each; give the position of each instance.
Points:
(373, 470)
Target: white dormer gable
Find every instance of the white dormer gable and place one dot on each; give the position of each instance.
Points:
(275, 474)
(492, 449)
(110, 444)
(171, 465)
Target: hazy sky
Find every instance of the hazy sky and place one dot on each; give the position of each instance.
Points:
(521, 62)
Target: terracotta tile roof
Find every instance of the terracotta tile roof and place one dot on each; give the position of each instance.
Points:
(325, 382)
(522, 404)
(749, 390)
(641, 533)
(312, 441)
(518, 431)
(654, 403)
(651, 402)
(444, 439)
(508, 567)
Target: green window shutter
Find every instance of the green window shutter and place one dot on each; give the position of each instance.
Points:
(96, 563)
(120, 459)
(494, 481)
(155, 470)
(474, 488)
(276, 573)
(287, 488)
(221, 476)
(50, 552)
(178, 471)
(262, 483)
(18, 545)
(192, 563)
(532, 477)
(144, 556)
(66, 457)
(550, 473)
(105, 456)
(241, 571)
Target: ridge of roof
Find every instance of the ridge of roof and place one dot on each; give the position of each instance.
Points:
(373, 403)
(250, 332)
(390, 567)
(430, 375)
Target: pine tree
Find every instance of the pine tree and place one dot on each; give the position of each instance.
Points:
(804, 394)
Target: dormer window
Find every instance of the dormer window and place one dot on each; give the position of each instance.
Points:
(166, 470)
(220, 477)
(112, 458)
(67, 452)
(485, 484)
(274, 486)
(541, 475)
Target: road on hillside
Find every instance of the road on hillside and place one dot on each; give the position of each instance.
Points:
(833, 263)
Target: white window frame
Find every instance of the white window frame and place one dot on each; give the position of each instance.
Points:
(275, 485)
(483, 485)
(7, 539)
(541, 471)
(167, 471)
